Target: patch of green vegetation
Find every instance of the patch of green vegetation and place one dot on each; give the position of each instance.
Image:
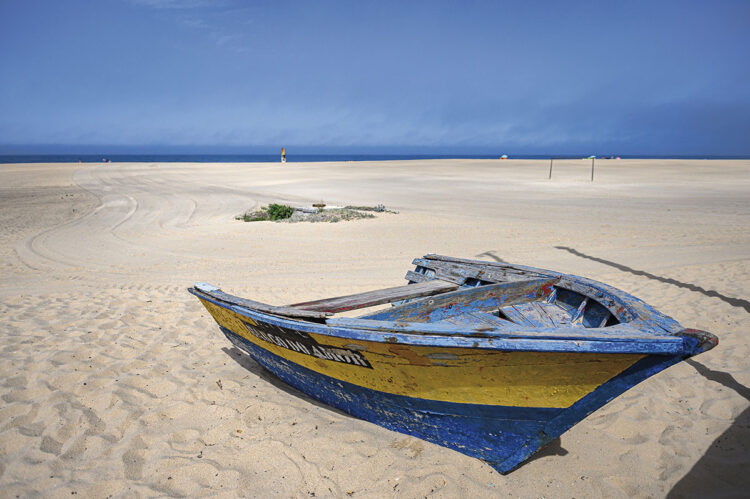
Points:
(279, 211)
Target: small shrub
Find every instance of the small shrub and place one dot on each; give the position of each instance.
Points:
(279, 211)
(253, 216)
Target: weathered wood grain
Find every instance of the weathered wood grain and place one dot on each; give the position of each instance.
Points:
(491, 296)
(493, 265)
(477, 321)
(379, 297)
(537, 314)
(558, 316)
(524, 316)
(457, 272)
(412, 276)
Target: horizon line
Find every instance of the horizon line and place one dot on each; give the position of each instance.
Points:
(457, 151)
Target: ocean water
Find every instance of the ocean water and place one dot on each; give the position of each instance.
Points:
(218, 158)
(275, 158)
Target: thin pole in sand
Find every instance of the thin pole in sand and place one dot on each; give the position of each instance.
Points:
(592, 168)
(550, 168)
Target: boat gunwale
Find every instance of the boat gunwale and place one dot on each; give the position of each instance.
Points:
(449, 336)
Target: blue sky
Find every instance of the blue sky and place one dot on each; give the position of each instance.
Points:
(625, 77)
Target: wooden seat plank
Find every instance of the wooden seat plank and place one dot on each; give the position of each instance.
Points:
(379, 297)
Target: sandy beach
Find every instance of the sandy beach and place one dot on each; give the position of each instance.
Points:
(115, 381)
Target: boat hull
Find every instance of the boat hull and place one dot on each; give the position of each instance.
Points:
(497, 406)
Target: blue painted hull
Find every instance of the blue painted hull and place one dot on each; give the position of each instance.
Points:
(502, 436)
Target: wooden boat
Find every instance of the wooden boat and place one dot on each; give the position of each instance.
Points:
(490, 359)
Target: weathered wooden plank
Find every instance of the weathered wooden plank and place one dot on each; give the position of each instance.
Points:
(218, 294)
(491, 265)
(378, 297)
(457, 272)
(412, 276)
(477, 321)
(558, 315)
(492, 320)
(537, 314)
(518, 315)
(446, 273)
(577, 316)
(489, 297)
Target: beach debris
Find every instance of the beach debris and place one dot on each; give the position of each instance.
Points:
(331, 215)
(320, 212)
(378, 208)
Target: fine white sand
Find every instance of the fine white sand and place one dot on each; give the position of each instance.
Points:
(114, 380)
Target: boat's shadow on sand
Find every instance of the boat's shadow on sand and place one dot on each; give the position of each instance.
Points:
(554, 448)
(723, 469)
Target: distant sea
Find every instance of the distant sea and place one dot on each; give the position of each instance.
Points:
(275, 158)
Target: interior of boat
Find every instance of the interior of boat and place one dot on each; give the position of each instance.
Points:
(465, 292)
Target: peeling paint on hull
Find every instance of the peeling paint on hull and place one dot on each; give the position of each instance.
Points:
(502, 436)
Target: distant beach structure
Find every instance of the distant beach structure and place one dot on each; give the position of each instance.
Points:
(504, 156)
(283, 155)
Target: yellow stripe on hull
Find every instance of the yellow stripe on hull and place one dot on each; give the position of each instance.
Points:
(460, 375)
